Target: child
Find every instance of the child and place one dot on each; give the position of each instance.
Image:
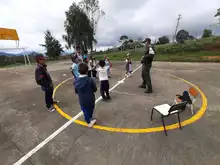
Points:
(109, 65)
(94, 64)
(184, 97)
(43, 79)
(104, 83)
(85, 87)
(128, 66)
(78, 53)
(74, 67)
(85, 57)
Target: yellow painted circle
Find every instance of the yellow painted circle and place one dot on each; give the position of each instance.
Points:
(194, 118)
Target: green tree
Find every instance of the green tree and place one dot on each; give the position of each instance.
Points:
(191, 37)
(94, 13)
(123, 38)
(207, 33)
(182, 35)
(52, 45)
(218, 13)
(78, 28)
(163, 40)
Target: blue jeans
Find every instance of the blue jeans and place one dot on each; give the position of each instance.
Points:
(109, 72)
(88, 113)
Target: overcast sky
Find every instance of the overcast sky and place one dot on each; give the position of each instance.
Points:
(135, 18)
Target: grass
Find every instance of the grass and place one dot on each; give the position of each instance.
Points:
(199, 50)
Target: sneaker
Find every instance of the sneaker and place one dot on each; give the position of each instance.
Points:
(51, 109)
(92, 122)
(104, 99)
(109, 98)
(148, 91)
(55, 102)
(142, 86)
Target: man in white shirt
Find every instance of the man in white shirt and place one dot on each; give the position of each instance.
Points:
(104, 83)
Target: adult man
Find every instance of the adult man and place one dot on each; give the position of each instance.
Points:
(146, 60)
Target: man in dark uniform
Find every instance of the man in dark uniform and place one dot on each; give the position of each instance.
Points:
(146, 66)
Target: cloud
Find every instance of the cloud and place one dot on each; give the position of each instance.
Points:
(134, 18)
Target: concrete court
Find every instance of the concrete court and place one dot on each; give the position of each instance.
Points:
(24, 122)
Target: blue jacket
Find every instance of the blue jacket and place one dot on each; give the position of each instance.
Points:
(85, 87)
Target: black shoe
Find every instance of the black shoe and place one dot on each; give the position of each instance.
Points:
(148, 91)
(109, 98)
(51, 109)
(142, 86)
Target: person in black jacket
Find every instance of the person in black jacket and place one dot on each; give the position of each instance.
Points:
(146, 66)
(43, 79)
(85, 87)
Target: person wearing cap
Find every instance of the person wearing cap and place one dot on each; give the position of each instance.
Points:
(43, 79)
(146, 61)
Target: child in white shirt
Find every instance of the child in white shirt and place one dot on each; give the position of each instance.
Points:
(103, 77)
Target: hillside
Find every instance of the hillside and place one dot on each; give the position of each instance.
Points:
(198, 50)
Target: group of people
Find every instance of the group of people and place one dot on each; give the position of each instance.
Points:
(91, 63)
(85, 67)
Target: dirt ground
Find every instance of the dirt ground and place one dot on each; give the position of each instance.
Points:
(25, 122)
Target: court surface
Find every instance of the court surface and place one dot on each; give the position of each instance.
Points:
(25, 123)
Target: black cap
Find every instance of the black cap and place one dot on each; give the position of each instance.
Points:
(147, 40)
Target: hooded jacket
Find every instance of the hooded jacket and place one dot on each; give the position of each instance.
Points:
(85, 87)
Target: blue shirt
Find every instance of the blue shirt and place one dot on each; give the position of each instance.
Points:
(75, 70)
(107, 63)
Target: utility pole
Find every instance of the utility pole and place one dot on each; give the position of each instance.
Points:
(177, 25)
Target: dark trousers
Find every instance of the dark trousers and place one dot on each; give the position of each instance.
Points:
(146, 78)
(48, 96)
(88, 113)
(92, 73)
(104, 89)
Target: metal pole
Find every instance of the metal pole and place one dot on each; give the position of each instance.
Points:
(177, 25)
(28, 60)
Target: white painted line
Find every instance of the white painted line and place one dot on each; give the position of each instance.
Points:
(43, 143)
(126, 93)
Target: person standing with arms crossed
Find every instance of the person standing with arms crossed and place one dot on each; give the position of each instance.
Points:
(146, 61)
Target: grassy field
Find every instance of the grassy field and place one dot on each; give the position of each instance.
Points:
(199, 50)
